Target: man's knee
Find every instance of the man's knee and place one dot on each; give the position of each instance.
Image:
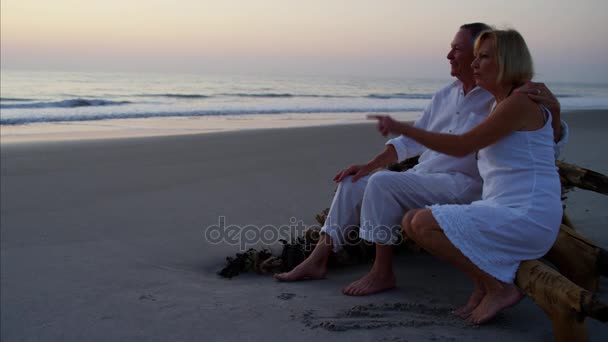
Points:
(382, 185)
(395, 185)
(348, 187)
(380, 179)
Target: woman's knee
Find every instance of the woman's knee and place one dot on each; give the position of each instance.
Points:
(421, 222)
(406, 223)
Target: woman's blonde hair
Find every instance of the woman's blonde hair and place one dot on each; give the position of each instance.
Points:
(514, 60)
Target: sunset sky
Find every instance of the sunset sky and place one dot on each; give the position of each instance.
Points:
(401, 38)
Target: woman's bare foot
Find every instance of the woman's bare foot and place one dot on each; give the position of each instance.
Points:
(307, 270)
(371, 283)
(494, 301)
(465, 311)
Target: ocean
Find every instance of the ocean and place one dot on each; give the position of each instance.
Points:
(36, 96)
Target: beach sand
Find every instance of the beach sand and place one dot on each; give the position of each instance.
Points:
(104, 240)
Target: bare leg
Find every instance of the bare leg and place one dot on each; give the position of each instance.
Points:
(424, 229)
(499, 296)
(465, 311)
(380, 278)
(314, 267)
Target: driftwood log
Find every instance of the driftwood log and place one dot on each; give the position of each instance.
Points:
(576, 176)
(565, 290)
(565, 303)
(579, 259)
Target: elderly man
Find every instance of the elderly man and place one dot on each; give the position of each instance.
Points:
(376, 203)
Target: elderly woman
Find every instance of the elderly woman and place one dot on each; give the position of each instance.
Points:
(520, 211)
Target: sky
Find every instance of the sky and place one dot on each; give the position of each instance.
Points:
(384, 38)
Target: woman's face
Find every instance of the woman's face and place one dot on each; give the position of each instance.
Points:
(485, 65)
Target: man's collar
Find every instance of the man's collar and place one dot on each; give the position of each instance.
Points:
(458, 83)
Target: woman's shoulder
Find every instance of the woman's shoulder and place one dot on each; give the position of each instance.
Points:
(520, 102)
(522, 109)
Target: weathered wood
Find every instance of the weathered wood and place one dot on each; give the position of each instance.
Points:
(566, 220)
(576, 176)
(577, 258)
(564, 302)
(603, 263)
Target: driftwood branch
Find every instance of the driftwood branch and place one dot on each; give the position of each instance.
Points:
(565, 303)
(577, 258)
(576, 176)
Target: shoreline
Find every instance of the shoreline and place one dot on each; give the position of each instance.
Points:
(175, 126)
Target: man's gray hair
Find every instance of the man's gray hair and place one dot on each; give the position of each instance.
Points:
(476, 29)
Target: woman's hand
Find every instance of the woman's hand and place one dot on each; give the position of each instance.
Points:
(386, 124)
(539, 93)
(357, 170)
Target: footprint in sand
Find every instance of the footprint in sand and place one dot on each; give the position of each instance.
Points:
(286, 296)
(373, 316)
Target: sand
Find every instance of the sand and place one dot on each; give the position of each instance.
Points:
(104, 240)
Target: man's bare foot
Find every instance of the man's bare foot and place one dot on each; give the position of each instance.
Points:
(307, 270)
(465, 311)
(495, 301)
(371, 283)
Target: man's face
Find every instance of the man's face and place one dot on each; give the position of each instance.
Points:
(461, 55)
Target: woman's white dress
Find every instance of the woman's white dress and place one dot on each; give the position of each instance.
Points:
(520, 212)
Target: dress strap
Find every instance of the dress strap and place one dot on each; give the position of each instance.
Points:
(547, 113)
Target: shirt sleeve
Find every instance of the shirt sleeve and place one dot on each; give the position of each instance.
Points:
(558, 148)
(407, 147)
